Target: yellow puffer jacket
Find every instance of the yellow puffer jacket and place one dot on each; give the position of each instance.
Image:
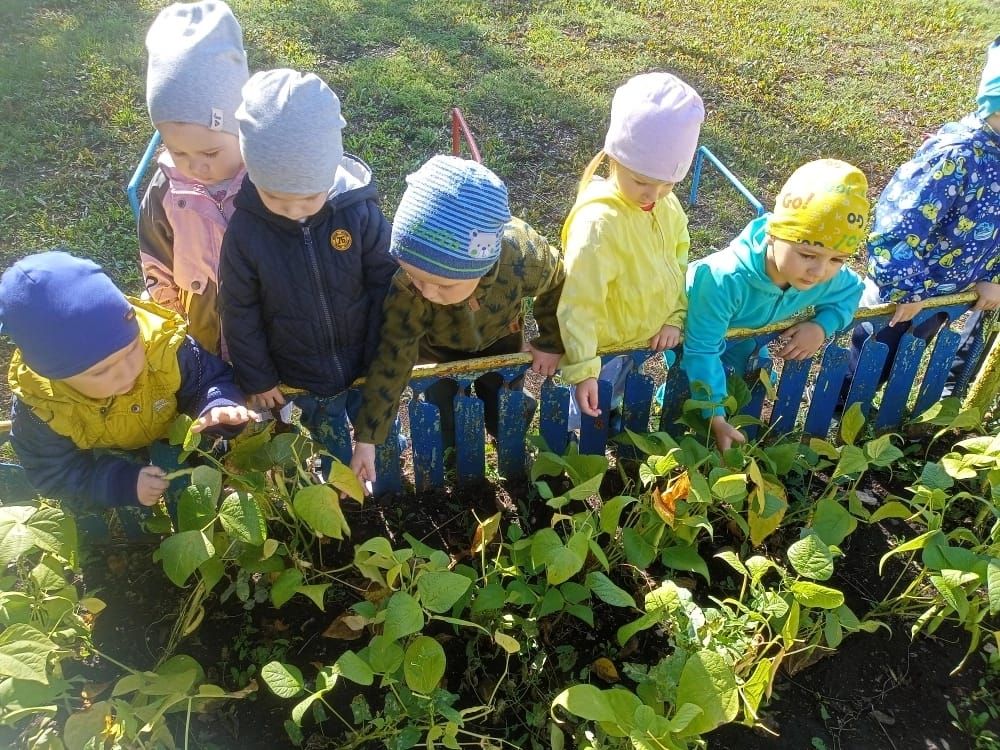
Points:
(126, 422)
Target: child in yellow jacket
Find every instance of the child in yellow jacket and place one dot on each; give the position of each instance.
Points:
(626, 240)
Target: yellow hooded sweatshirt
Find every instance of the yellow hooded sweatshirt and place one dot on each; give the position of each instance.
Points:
(625, 272)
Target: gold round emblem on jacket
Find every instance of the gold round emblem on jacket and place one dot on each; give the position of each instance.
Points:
(340, 240)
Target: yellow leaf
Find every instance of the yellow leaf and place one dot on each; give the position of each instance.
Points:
(605, 669)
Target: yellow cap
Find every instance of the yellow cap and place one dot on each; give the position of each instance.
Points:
(824, 202)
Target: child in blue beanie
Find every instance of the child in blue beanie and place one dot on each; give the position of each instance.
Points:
(466, 266)
(937, 225)
(94, 371)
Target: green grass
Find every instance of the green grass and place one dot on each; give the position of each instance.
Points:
(849, 79)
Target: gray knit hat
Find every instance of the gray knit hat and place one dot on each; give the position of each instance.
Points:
(290, 127)
(197, 65)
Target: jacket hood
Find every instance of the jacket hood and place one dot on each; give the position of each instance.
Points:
(750, 251)
(353, 183)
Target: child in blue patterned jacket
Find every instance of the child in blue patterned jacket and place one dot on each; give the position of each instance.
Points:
(937, 223)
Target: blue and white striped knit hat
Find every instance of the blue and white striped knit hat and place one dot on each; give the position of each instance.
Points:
(450, 219)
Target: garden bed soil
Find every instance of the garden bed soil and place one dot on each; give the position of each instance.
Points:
(877, 691)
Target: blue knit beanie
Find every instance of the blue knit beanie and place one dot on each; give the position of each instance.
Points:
(63, 313)
(450, 219)
(988, 97)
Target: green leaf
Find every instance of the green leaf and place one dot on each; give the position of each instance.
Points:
(82, 727)
(952, 594)
(882, 452)
(813, 595)
(195, 508)
(243, 519)
(299, 711)
(832, 630)
(209, 478)
(587, 702)
(730, 487)
(611, 513)
(832, 521)
(24, 653)
(852, 460)
(933, 476)
(489, 598)
(346, 481)
(423, 665)
(628, 630)
(783, 456)
(993, 585)
(811, 556)
(285, 680)
(958, 466)
(182, 553)
(24, 527)
(354, 668)
(707, 681)
(315, 592)
(506, 642)
(638, 551)
(553, 601)
(913, 544)
(285, 586)
(684, 716)
(891, 509)
(385, 656)
(606, 590)
(562, 564)
(685, 558)
(179, 429)
(319, 506)
(403, 616)
(212, 571)
(733, 561)
(764, 522)
(654, 444)
(438, 592)
(851, 424)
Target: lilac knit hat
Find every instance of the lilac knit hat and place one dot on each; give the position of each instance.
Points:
(655, 122)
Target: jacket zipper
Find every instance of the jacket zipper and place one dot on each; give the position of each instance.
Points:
(324, 305)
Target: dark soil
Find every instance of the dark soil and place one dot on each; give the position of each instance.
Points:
(878, 691)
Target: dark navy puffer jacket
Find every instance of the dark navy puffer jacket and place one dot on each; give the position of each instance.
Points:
(301, 303)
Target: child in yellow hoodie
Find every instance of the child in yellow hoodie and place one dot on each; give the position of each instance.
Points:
(626, 240)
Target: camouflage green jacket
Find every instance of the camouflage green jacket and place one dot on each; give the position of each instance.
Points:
(528, 267)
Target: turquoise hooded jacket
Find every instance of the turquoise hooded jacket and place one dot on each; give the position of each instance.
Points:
(731, 289)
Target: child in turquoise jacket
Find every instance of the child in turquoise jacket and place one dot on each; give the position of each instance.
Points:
(781, 264)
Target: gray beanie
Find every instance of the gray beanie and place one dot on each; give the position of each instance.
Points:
(290, 127)
(197, 65)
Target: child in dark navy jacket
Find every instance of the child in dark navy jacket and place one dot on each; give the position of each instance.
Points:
(305, 263)
(96, 371)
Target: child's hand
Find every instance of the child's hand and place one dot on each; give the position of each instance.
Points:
(725, 434)
(802, 340)
(989, 296)
(363, 464)
(905, 312)
(667, 338)
(544, 363)
(271, 399)
(224, 415)
(586, 397)
(151, 485)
